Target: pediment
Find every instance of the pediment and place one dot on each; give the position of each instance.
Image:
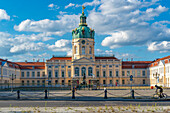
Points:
(161, 63)
(82, 60)
(5, 64)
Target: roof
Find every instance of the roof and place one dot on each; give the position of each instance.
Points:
(61, 58)
(106, 58)
(32, 67)
(135, 64)
(156, 62)
(30, 63)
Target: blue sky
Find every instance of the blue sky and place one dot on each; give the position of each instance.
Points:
(37, 29)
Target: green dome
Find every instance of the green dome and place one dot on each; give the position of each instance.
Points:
(83, 31)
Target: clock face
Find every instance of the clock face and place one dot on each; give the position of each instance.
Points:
(83, 42)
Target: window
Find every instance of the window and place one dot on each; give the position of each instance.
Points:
(76, 71)
(62, 82)
(117, 73)
(28, 74)
(22, 83)
(33, 74)
(138, 73)
(133, 72)
(33, 82)
(110, 73)
(22, 74)
(97, 66)
(104, 73)
(69, 73)
(69, 82)
(128, 73)
(83, 71)
(75, 49)
(104, 65)
(38, 74)
(49, 66)
(56, 82)
(143, 81)
(110, 81)
(56, 66)
(117, 65)
(104, 81)
(83, 50)
(62, 66)
(43, 74)
(69, 66)
(62, 73)
(97, 73)
(49, 74)
(110, 65)
(123, 82)
(56, 74)
(90, 71)
(43, 82)
(143, 73)
(123, 73)
(90, 50)
(28, 82)
(38, 82)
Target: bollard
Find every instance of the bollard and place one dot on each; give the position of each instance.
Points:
(132, 92)
(105, 93)
(73, 94)
(45, 94)
(18, 94)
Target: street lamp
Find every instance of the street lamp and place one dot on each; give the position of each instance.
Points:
(12, 77)
(156, 76)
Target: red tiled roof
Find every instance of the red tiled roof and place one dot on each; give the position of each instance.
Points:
(106, 58)
(155, 63)
(30, 63)
(136, 64)
(32, 67)
(61, 58)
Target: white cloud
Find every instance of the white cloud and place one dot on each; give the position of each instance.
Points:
(61, 45)
(93, 3)
(4, 15)
(128, 22)
(69, 5)
(53, 7)
(64, 24)
(26, 47)
(162, 46)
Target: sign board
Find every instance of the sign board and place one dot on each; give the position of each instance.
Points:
(131, 77)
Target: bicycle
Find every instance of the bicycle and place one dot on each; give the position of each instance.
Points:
(157, 95)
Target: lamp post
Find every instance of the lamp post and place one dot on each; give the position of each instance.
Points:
(12, 77)
(156, 76)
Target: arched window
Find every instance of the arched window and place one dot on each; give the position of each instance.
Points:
(76, 71)
(75, 49)
(90, 50)
(83, 71)
(83, 50)
(90, 71)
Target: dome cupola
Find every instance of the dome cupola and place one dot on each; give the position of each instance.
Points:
(83, 31)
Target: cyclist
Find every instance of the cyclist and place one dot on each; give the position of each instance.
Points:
(160, 90)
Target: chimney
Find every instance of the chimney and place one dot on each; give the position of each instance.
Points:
(25, 61)
(43, 59)
(131, 59)
(33, 60)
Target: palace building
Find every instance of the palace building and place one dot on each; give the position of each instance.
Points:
(84, 65)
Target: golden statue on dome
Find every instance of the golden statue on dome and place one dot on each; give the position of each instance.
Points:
(83, 9)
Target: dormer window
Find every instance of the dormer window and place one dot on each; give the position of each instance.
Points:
(83, 50)
(90, 50)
